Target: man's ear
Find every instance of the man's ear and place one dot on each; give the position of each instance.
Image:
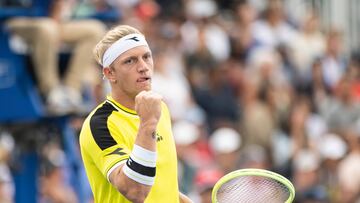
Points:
(109, 74)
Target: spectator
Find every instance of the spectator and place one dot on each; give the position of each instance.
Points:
(333, 61)
(45, 35)
(225, 144)
(242, 31)
(306, 167)
(273, 30)
(218, 100)
(353, 73)
(186, 135)
(342, 110)
(204, 181)
(349, 178)
(308, 44)
(332, 149)
(255, 112)
(54, 187)
(166, 79)
(316, 89)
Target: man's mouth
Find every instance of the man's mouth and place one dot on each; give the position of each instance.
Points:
(143, 79)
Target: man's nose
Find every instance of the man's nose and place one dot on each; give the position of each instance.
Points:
(143, 66)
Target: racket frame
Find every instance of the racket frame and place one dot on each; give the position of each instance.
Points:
(254, 172)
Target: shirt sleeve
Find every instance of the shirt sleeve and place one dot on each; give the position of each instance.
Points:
(104, 151)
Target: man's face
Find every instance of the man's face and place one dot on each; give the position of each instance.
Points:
(133, 71)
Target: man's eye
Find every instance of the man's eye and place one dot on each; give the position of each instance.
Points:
(147, 56)
(128, 61)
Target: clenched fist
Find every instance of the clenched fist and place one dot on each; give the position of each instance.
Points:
(148, 106)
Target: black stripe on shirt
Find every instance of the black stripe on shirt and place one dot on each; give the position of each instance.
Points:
(143, 170)
(99, 128)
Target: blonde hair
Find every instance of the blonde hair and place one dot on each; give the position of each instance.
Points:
(111, 37)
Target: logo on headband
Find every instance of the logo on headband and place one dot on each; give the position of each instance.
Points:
(134, 38)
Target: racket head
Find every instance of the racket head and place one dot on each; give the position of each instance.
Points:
(231, 186)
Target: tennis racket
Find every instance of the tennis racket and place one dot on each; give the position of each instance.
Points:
(253, 186)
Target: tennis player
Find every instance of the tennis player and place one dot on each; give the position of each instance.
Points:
(126, 143)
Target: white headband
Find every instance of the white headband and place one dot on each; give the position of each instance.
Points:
(122, 45)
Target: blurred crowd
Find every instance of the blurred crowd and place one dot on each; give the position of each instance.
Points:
(247, 85)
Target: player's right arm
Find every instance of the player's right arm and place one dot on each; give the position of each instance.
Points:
(135, 178)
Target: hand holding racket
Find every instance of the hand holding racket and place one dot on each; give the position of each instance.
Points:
(253, 186)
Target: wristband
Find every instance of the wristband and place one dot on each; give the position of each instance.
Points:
(141, 165)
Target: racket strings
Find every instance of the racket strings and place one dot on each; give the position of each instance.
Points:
(252, 189)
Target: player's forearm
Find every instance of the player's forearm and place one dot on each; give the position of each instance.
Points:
(146, 136)
(148, 107)
(132, 190)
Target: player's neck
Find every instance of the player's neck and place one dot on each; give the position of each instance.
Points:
(124, 100)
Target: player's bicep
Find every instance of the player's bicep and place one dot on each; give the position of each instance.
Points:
(130, 188)
(115, 172)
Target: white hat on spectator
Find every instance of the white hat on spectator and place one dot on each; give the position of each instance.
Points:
(331, 146)
(306, 160)
(185, 133)
(225, 140)
(201, 8)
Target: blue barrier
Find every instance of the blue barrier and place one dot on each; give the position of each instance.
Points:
(19, 98)
(21, 102)
(26, 188)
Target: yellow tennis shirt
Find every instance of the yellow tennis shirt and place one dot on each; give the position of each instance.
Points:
(106, 140)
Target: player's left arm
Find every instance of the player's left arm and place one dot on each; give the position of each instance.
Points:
(184, 198)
